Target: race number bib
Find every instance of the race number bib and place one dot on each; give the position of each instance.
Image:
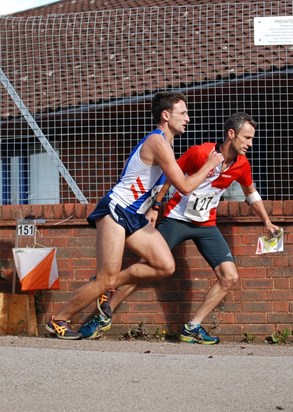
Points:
(199, 206)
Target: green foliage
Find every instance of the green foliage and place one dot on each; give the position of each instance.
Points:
(141, 332)
(162, 335)
(137, 332)
(249, 337)
(280, 336)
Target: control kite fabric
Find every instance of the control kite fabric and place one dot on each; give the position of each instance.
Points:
(36, 268)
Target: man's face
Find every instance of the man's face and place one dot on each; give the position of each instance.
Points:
(178, 118)
(243, 140)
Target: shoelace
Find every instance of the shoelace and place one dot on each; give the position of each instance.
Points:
(203, 332)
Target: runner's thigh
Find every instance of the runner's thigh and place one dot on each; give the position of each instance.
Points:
(212, 245)
(151, 246)
(109, 245)
(175, 231)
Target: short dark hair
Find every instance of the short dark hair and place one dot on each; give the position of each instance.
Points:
(237, 120)
(165, 101)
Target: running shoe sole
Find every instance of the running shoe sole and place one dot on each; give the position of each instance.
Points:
(190, 339)
(97, 333)
(51, 330)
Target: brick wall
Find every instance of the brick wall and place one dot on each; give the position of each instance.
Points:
(260, 303)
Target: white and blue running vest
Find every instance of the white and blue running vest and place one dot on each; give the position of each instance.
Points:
(139, 183)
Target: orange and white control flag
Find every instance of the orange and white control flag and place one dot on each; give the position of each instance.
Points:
(36, 268)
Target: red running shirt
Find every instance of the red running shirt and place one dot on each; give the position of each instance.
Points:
(200, 206)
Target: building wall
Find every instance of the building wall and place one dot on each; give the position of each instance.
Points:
(260, 303)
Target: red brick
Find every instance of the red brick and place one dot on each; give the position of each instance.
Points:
(80, 211)
(265, 287)
(279, 260)
(198, 295)
(254, 272)
(57, 212)
(250, 317)
(88, 252)
(68, 210)
(196, 284)
(11, 212)
(244, 209)
(89, 208)
(281, 294)
(282, 283)
(123, 307)
(288, 207)
(146, 307)
(268, 204)
(257, 306)
(254, 261)
(233, 239)
(170, 308)
(289, 238)
(80, 242)
(188, 307)
(84, 263)
(279, 272)
(137, 318)
(7, 234)
(199, 273)
(247, 239)
(257, 283)
(280, 318)
(233, 208)
(281, 307)
(243, 250)
(142, 295)
(223, 209)
(251, 294)
(227, 317)
(83, 274)
(230, 307)
(229, 329)
(65, 252)
(258, 329)
(277, 208)
(48, 211)
(172, 318)
(171, 295)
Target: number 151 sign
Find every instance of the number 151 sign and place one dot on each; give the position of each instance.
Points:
(26, 230)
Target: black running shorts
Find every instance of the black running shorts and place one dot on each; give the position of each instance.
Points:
(208, 239)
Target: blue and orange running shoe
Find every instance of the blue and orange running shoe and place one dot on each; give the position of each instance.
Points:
(93, 328)
(198, 335)
(61, 329)
(103, 304)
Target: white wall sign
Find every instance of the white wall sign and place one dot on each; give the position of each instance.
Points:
(276, 30)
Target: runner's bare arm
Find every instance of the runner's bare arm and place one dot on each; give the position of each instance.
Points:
(259, 209)
(152, 215)
(163, 155)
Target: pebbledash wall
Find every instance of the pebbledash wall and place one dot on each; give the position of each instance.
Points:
(260, 303)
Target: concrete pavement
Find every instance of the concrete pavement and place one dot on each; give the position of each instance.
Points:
(49, 374)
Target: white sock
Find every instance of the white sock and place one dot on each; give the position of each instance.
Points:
(192, 325)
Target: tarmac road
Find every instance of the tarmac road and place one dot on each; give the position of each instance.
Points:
(42, 374)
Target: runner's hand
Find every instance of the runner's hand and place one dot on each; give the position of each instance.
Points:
(272, 228)
(215, 158)
(152, 216)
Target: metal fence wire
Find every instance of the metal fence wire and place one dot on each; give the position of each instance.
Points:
(75, 93)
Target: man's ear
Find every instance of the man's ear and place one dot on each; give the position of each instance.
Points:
(165, 115)
(231, 134)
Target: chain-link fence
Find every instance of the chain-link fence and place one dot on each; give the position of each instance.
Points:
(75, 93)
